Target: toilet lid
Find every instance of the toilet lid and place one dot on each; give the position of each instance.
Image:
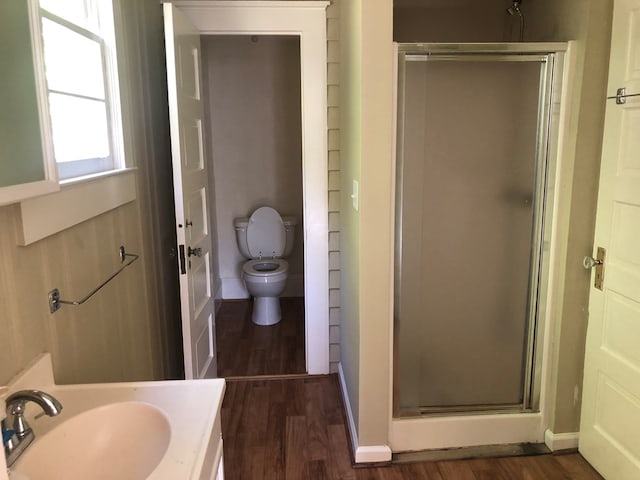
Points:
(266, 235)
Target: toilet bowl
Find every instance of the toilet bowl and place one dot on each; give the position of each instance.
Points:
(264, 238)
(265, 281)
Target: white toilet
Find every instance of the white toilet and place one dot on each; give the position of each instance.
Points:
(265, 238)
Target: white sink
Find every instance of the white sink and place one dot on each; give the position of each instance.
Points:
(119, 440)
(169, 430)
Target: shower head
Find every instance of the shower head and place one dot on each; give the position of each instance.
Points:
(515, 8)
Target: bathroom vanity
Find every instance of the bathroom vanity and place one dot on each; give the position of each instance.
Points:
(154, 430)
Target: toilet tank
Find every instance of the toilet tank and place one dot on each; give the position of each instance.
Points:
(290, 234)
(240, 225)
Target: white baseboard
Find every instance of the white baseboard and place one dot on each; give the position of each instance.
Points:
(361, 454)
(561, 441)
(233, 288)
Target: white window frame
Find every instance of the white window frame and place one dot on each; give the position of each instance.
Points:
(107, 41)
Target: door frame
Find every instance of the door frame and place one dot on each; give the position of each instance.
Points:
(306, 19)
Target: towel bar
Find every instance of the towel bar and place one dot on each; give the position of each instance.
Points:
(54, 295)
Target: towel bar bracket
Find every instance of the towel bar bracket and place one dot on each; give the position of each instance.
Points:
(55, 302)
(622, 95)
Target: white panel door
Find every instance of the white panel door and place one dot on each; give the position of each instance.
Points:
(191, 193)
(610, 423)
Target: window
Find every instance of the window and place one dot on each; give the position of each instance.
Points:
(82, 86)
(80, 116)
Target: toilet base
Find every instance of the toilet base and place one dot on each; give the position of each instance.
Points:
(266, 310)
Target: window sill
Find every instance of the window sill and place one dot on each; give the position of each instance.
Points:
(79, 199)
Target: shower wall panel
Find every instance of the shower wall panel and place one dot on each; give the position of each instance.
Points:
(467, 181)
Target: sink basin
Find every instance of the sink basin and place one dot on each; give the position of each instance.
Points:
(123, 431)
(123, 440)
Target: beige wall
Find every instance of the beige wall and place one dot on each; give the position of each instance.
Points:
(148, 136)
(376, 220)
(366, 132)
(107, 339)
(119, 334)
(484, 21)
(350, 158)
(253, 91)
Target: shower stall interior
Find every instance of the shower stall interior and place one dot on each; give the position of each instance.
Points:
(474, 176)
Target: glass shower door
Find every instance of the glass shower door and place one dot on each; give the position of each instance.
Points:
(469, 200)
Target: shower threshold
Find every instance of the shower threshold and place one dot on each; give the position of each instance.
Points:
(483, 451)
(461, 410)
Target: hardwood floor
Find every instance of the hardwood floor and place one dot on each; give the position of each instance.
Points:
(246, 349)
(295, 429)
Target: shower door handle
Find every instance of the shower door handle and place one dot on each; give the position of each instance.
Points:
(598, 262)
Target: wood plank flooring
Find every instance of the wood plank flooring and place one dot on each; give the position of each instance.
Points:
(294, 429)
(246, 349)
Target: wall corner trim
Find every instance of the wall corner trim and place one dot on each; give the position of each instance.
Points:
(351, 425)
(373, 454)
(361, 454)
(561, 441)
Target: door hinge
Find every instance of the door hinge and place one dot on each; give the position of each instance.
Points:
(183, 263)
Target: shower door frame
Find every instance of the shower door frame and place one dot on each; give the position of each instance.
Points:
(445, 428)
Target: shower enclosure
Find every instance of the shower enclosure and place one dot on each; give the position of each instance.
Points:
(473, 174)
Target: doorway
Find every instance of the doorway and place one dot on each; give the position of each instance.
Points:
(252, 99)
(307, 21)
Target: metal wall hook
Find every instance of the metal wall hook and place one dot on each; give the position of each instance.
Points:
(55, 302)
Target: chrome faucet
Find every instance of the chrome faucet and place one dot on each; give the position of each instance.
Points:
(17, 435)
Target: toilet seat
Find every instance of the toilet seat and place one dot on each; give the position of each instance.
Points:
(265, 267)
